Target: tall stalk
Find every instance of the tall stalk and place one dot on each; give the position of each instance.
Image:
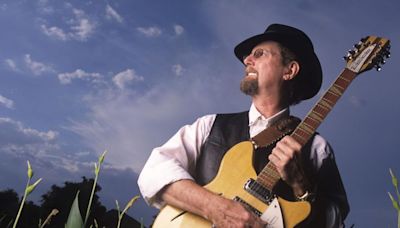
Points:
(28, 189)
(96, 171)
(128, 205)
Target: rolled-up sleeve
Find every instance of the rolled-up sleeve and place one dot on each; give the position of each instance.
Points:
(173, 161)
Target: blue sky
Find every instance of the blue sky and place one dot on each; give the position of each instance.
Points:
(79, 77)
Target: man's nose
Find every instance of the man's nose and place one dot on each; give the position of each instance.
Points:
(249, 60)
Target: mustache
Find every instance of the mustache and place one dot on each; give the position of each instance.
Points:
(250, 69)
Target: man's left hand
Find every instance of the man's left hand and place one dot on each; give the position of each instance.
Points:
(286, 156)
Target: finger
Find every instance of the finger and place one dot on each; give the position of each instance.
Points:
(291, 143)
(274, 159)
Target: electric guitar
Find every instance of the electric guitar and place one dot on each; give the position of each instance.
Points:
(237, 179)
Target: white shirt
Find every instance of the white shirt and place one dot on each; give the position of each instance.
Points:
(176, 159)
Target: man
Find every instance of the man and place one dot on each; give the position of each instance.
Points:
(281, 69)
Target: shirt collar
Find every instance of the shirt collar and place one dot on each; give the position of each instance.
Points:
(255, 115)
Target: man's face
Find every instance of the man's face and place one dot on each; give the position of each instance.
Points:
(264, 70)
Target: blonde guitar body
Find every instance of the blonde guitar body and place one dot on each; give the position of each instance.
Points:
(235, 170)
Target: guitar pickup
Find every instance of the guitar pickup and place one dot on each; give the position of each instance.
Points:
(258, 191)
(248, 206)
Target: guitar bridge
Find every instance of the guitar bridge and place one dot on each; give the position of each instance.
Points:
(258, 191)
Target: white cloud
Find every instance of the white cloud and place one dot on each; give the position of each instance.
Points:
(178, 29)
(150, 31)
(177, 69)
(37, 68)
(123, 78)
(6, 102)
(11, 64)
(18, 142)
(13, 132)
(66, 78)
(82, 27)
(55, 32)
(112, 14)
(129, 125)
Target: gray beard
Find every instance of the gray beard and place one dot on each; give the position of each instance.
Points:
(249, 87)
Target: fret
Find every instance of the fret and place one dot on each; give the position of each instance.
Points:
(332, 98)
(309, 126)
(337, 84)
(345, 79)
(329, 99)
(325, 103)
(319, 109)
(306, 129)
(301, 138)
(316, 116)
(322, 107)
(332, 93)
(313, 123)
(268, 176)
(335, 90)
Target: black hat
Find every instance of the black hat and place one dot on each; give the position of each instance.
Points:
(309, 80)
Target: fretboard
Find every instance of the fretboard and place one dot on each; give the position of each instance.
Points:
(269, 176)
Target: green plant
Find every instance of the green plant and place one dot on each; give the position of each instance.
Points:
(128, 205)
(28, 190)
(394, 201)
(74, 217)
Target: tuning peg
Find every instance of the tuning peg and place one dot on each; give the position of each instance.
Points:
(352, 51)
(364, 39)
(387, 54)
(358, 45)
(348, 57)
(378, 67)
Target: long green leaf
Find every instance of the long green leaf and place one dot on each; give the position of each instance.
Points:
(394, 179)
(74, 217)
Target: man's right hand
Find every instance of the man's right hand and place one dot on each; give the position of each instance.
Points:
(228, 213)
(222, 212)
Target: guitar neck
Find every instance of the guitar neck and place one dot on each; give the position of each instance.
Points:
(314, 118)
(269, 176)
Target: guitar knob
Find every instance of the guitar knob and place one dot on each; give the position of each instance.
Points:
(378, 68)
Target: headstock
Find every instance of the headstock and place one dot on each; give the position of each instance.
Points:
(369, 52)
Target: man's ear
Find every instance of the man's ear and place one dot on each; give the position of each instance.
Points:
(291, 70)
